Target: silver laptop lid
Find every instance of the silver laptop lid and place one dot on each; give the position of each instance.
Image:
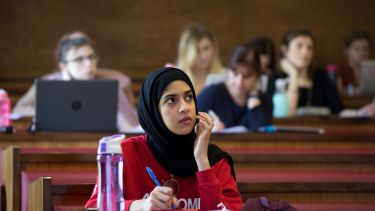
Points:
(89, 105)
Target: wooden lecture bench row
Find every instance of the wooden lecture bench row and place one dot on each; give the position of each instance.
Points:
(305, 196)
(341, 140)
(247, 162)
(338, 131)
(341, 135)
(329, 123)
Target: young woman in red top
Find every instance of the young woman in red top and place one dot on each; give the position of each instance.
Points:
(195, 174)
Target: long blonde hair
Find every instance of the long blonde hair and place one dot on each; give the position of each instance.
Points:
(187, 49)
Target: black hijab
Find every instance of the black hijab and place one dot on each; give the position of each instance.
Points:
(174, 152)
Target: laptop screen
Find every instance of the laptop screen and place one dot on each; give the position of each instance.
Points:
(89, 105)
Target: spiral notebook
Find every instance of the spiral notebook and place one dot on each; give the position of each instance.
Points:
(76, 105)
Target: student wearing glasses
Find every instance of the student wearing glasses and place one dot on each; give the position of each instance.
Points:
(77, 60)
(176, 147)
(269, 73)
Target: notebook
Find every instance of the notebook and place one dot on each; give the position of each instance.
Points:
(367, 78)
(76, 105)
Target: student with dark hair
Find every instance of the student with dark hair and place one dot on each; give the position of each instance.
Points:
(77, 60)
(237, 101)
(308, 85)
(176, 147)
(269, 73)
(357, 45)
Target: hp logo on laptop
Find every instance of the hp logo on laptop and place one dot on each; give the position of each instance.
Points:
(76, 105)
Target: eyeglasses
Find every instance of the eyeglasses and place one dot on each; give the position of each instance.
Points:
(81, 59)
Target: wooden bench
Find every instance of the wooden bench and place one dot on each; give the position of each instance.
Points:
(332, 125)
(44, 195)
(252, 142)
(16, 161)
(325, 122)
(303, 195)
(346, 138)
(296, 141)
(244, 159)
(317, 160)
(309, 187)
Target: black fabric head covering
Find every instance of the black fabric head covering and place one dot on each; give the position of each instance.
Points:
(174, 152)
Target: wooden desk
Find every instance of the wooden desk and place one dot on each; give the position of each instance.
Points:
(352, 192)
(340, 135)
(331, 123)
(283, 141)
(246, 159)
(335, 128)
(313, 160)
(44, 195)
(356, 101)
(344, 139)
(15, 161)
(355, 195)
(52, 140)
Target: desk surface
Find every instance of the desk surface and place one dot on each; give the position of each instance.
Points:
(336, 131)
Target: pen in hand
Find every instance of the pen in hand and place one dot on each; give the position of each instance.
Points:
(153, 177)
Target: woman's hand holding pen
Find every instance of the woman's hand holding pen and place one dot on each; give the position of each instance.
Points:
(203, 130)
(160, 198)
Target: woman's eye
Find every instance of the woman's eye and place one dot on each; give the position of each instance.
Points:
(171, 100)
(189, 97)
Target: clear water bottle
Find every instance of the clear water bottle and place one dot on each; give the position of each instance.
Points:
(110, 169)
(350, 90)
(280, 99)
(4, 109)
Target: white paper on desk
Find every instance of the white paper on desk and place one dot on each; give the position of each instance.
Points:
(234, 129)
(352, 113)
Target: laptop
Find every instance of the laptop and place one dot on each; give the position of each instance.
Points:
(367, 78)
(87, 106)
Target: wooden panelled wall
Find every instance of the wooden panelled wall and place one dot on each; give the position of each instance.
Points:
(138, 36)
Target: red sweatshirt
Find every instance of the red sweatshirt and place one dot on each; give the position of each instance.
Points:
(208, 190)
